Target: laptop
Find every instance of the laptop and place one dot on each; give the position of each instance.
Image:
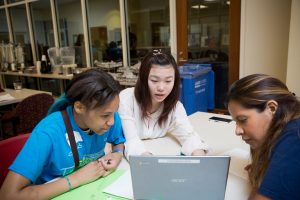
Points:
(179, 177)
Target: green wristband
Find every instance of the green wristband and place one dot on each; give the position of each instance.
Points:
(69, 183)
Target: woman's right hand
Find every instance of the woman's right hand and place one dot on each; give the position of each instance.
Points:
(147, 153)
(86, 174)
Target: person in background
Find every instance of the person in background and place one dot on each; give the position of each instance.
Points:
(213, 51)
(132, 44)
(91, 101)
(113, 53)
(267, 117)
(152, 109)
(80, 51)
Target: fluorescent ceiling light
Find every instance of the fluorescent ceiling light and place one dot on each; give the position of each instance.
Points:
(199, 6)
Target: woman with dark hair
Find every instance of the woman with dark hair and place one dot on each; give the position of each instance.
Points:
(66, 149)
(151, 109)
(267, 117)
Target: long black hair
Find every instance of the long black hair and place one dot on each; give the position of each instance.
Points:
(142, 92)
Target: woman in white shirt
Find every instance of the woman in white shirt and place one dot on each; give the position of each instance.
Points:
(152, 109)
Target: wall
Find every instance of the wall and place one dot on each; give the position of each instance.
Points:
(293, 66)
(264, 37)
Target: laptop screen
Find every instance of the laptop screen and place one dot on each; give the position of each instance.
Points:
(179, 177)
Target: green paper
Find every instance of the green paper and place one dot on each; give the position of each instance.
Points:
(93, 190)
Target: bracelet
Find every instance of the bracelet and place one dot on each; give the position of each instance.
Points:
(69, 183)
(118, 151)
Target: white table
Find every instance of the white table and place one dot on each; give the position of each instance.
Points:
(221, 138)
(19, 95)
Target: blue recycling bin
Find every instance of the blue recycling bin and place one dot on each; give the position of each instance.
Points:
(197, 87)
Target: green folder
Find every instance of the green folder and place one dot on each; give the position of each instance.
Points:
(93, 190)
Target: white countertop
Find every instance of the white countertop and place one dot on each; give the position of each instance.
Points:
(38, 75)
(18, 95)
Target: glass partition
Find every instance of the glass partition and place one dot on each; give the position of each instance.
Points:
(208, 25)
(20, 31)
(71, 28)
(208, 40)
(105, 30)
(4, 35)
(149, 27)
(14, 1)
(43, 29)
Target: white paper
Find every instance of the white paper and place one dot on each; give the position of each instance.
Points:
(122, 187)
(239, 160)
(6, 97)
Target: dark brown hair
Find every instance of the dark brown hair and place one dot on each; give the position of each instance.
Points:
(142, 93)
(93, 88)
(253, 92)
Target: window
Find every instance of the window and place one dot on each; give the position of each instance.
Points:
(4, 36)
(71, 28)
(148, 27)
(105, 30)
(208, 25)
(20, 31)
(208, 40)
(14, 1)
(43, 29)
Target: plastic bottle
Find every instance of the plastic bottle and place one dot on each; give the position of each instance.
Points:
(44, 67)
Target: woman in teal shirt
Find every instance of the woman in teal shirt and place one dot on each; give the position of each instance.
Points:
(91, 101)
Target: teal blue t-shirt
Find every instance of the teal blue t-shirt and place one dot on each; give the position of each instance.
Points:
(47, 153)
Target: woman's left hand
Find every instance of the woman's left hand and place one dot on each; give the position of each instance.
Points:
(199, 152)
(111, 161)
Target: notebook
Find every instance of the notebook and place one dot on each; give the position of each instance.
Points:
(179, 177)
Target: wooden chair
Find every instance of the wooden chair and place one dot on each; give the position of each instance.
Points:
(9, 149)
(29, 112)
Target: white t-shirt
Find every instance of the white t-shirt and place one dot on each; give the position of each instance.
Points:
(136, 129)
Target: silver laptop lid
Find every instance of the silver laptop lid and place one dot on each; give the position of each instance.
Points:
(179, 177)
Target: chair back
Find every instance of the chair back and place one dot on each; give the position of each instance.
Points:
(32, 110)
(9, 149)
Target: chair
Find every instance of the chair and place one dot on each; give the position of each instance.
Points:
(29, 112)
(32, 110)
(9, 149)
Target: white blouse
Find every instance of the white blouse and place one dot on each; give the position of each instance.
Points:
(135, 129)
